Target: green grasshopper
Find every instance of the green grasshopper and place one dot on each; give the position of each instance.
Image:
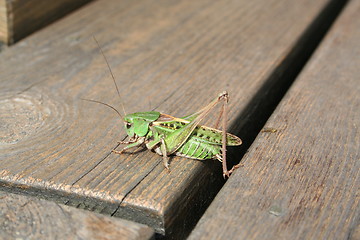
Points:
(168, 135)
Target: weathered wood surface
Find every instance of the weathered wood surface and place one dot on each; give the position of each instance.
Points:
(301, 180)
(3, 21)
(19, 18)
(30, 218)
(172, 56)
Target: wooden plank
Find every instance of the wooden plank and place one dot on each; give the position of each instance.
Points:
(170, 56)
(302, 175)
(30, 218)
(3, 21)
(19, 18)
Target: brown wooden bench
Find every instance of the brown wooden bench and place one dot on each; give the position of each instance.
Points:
(174, 57)
(302, 174)
(19, 18)
(29, 218)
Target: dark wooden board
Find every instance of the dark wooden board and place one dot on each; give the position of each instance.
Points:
(19, 18)
(30, 218)
(172, 56)
(302, 174)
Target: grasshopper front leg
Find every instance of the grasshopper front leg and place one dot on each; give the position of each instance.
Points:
(137, 143)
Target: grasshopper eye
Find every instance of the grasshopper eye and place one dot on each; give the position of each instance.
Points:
(128, 125)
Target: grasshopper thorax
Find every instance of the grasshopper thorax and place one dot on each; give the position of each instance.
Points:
(138, 123)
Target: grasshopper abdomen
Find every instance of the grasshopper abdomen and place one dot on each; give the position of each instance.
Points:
(198, 150)
(203, 143)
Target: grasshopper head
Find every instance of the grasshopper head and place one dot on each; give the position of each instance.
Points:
(138, 123)
(129, 128)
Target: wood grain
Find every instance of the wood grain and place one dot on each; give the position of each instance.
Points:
(302, 180)
(3, 22)
(171, 56)
(19, 18)
(30, 218)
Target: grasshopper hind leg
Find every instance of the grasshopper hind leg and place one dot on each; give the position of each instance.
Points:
(223, 114)
(195, 119)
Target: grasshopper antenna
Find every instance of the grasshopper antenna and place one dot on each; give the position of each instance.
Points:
(112, 76)
(108, 105)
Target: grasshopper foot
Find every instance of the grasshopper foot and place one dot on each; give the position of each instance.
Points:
(228, 173)
(166, 163)
(117, 152)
